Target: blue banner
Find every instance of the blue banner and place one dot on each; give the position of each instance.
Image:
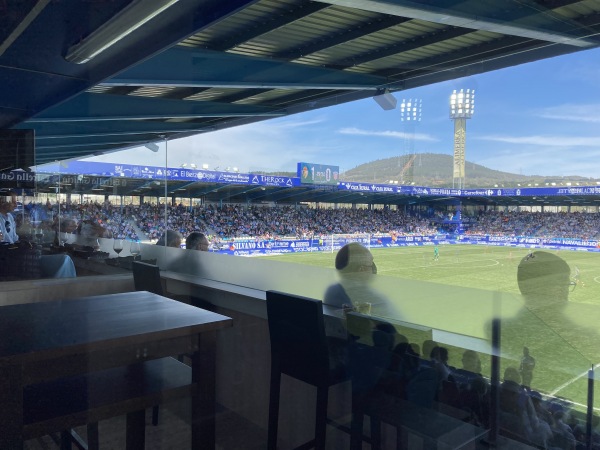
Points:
(173, 174)
(333, 244)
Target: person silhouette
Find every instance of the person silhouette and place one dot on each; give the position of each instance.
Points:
(357, 269)
(197, 241)
(548, 325)
(526, 368)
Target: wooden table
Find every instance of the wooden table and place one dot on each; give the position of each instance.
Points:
(41, 342)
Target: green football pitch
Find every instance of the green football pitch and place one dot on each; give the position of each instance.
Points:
(496, 267)
(563, 359)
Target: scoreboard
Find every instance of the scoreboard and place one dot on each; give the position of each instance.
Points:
(310, 173)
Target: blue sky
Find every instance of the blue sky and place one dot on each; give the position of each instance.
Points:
(541, 118)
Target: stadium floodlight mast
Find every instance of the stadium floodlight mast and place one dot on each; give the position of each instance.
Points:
(411, 111)
(462, 107)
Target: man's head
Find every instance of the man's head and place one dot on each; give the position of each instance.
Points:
(197, 241)
(471, 361)
(66, 225)
(353, 258)
(8, 202)
(543, 279)
(512, 374)
(173, 239)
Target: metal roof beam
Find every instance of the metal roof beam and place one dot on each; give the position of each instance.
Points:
(490, 57)
(322, 43)
(268, 24)
(463, 19)
(401, 47)
(138, 139)
(187, 67)
(53, 130)
(99, 107)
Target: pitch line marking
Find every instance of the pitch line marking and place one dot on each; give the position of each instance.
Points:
(466, 264)
(571, 381)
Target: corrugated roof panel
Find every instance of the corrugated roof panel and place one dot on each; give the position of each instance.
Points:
(254, 17)
(99, 89)
(309, 29)
(207, 95)
(370, 45)
(152, 91)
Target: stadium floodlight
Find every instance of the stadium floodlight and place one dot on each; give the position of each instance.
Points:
(205, 166)
(462, 107)
(462, 104)
(411, 112)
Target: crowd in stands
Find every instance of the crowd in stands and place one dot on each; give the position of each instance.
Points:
(113, 218)
(538, 224)
(422, 375)
(146, 221)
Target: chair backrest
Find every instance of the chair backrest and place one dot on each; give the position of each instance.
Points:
(298, 343)
(146, 277)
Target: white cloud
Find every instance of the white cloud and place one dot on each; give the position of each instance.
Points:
(392, 134)
(589, 113)
(555, 161)
(546, 141)
(270, 145)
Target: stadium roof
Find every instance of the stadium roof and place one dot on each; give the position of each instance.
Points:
(216, 191)
(200, 66)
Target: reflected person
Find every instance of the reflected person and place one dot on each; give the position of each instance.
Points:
(357, 270)
(90, 230)
(549, 325)
(64, 225)
(8, 226)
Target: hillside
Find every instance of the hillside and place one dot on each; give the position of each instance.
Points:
(434, 169)
(429, 169)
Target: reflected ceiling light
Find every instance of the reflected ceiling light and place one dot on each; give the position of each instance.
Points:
(122, 24)
(386, 100)
(152, 146)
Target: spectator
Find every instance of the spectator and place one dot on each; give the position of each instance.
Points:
(173, 239)
(197, 241)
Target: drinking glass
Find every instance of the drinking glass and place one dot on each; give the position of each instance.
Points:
(135, 249)
(118, 246)
(39, 236)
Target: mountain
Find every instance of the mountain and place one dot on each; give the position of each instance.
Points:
(431, 169)
(434, 169)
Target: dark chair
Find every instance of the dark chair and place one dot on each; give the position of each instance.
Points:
(146, 277)
(300, 349)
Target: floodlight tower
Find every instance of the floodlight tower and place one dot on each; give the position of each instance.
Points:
(411, 111)
(462, 107)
